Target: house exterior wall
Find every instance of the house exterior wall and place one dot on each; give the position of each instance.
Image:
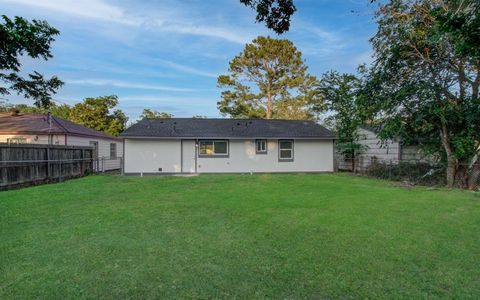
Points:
(148, 155)
(57, 139)
(414, 154)
(103, 146)
(105, 161)
(373, 150)
(387, 151)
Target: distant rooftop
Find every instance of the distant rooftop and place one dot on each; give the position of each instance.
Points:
(28, 123)
(227, 128)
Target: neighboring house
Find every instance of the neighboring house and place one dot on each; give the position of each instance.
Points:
(29, 128)
(378, 150)
(184, 145)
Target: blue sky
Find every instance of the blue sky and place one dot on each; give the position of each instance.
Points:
(166, 54)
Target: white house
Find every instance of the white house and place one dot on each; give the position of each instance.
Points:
(375, 149)
(46, 129)
(186, 145)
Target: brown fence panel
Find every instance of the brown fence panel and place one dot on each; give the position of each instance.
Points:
(26, 164)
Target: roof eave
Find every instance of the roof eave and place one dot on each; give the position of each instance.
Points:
(228, 137)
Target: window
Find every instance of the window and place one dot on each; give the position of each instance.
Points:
(261, 146)
(285, 150)
(213, 148)
(113, 150)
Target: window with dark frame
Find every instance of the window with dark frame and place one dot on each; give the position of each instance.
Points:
(285, 150)
(261, 146)
(113, 150)
(213, 148)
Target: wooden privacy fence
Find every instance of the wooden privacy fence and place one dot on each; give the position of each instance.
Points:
(26, 164)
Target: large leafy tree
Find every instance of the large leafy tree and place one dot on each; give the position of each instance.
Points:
(340, 93)
(19, 37)
(424, 83)
(61, 111)
(275, 13)
(153, 114)
(269, 80)
(100, 113)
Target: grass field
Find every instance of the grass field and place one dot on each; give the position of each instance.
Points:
(239, 236)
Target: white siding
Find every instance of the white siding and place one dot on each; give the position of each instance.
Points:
(374, 149)
(414, 154)
(188, 156)
(34, 139)
(147, 155)
(386, 151)
(103, 150)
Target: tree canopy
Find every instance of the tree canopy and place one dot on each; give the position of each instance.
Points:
(153, 114)
(275, 13)
(268, 79)
(100, 113)
(19, 37)
(61, 111)
(424, 83)
(340, 93)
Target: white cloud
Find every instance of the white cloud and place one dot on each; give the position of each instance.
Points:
(125, 84)
(230, 35)
(187, 69)
(315, 40)
(135, 99)
(363, 58)
(170, 22)
(93, 9)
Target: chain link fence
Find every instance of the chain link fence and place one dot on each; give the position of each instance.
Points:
(406, 164)
(108, 164)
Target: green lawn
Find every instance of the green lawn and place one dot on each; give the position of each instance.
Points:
(239, 236)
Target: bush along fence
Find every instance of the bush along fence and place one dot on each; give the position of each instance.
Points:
(28, 164)
(408, 165)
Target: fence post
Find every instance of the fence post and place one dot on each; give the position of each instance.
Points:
(60, 171)
(48, 162)
(82, 165)
(91, 162)
(103, 164)
(122, 167)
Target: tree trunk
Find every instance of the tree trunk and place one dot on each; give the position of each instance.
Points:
(451, 172)
(451, 160)
(269, 104)
(461, 175)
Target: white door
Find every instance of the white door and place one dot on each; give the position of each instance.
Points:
(188, 156)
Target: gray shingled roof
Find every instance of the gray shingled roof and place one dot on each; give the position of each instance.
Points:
(29, 123)
(227, 128)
